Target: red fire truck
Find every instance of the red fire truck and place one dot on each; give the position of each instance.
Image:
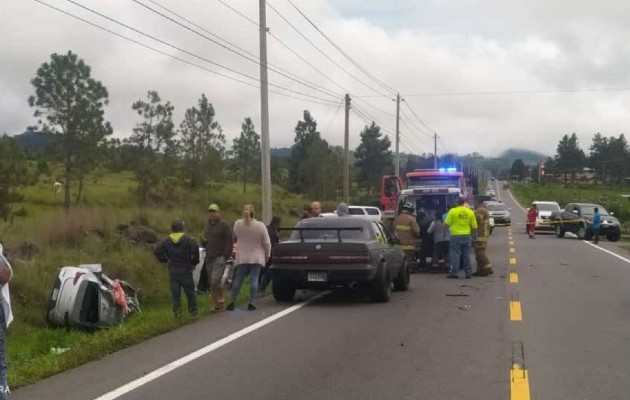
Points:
(443, 178)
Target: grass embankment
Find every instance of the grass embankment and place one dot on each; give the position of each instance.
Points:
(87, 234)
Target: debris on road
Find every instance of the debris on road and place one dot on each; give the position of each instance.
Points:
(457, 295)
(464, 308)
(85, 298)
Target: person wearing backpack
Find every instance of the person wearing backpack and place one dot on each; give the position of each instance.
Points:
(181, 253)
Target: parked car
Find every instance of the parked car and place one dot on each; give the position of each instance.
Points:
(339, 253)
(578, 218)
(500, 212)
(368, 212)
(85, 298)
(545, 209)
(372, 213)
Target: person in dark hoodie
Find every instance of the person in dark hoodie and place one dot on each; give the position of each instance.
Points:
(272, 230)
(181, 252)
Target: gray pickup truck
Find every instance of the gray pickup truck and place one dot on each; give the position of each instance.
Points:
(578, 219)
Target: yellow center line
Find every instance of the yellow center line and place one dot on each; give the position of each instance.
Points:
(513, 277)
(519, 383)
(512, 250)
(513, 261)
(515, 311)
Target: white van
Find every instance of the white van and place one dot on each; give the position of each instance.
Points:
(369, 212)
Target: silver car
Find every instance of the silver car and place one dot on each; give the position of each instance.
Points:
(85, 298)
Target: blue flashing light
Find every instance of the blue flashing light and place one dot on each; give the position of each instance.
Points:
(451, 169)
(442, 169)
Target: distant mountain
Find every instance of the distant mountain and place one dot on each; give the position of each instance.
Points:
(35, 141)
(280, 152)
(529, 157)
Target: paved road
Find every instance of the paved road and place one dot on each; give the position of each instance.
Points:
(444, 339)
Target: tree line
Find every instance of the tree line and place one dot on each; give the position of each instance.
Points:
(608, 158)
(69, 104)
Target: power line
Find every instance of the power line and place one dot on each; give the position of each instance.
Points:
(367, 121)
(320, 50)
(248, 56)
(372, 118)
(507, 92)
(418, 118)
(412, 131)
(239, 13)
(314, 68)
(356, 64)
(191, 53)
(175, 57)
(420, 130)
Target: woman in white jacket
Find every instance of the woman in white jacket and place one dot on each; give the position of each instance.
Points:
(5, 319)
(253, 249)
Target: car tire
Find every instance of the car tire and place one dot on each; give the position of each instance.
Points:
(559, 231)
(581, 232)
(282, 291)
(381, 286)
(614, 237)
(401, 283)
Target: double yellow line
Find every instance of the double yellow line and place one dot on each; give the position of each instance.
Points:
(519, 378)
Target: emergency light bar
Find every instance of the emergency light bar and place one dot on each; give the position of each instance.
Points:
(430, 190)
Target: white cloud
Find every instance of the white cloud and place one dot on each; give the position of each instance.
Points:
(435, 46)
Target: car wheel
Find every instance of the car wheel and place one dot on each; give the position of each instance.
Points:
(282, 290)
(381, 287)
(581, 232)
(559, 231)
(614, 237)
(401, 283)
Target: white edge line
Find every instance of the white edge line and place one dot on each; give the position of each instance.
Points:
(516, 201)
(151, 376)
(624, 259)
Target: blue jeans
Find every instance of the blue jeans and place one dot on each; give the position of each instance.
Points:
(242, 270)
(4, 385)
(460, 247)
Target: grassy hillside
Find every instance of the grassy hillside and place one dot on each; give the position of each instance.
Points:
(87, 234)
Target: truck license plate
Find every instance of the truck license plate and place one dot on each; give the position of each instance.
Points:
(55, 294)
(317, 277)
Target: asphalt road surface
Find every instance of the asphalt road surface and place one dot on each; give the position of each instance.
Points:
(553, 322)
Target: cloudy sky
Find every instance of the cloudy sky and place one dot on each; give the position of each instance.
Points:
(486, 75)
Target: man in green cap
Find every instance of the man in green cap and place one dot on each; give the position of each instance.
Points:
(218, 241)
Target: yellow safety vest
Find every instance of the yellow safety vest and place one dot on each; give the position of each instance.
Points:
(461, 221)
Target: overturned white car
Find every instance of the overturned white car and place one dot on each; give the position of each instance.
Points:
(85, 298)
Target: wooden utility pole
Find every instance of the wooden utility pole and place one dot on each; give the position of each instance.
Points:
(435, 163)
(346, 153)
(264, 117)
(397, 166)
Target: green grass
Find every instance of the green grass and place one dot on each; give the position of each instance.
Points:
(30, 355)
(87, 234)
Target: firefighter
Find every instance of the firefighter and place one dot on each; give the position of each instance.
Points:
(484, 267)
(407, 230)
